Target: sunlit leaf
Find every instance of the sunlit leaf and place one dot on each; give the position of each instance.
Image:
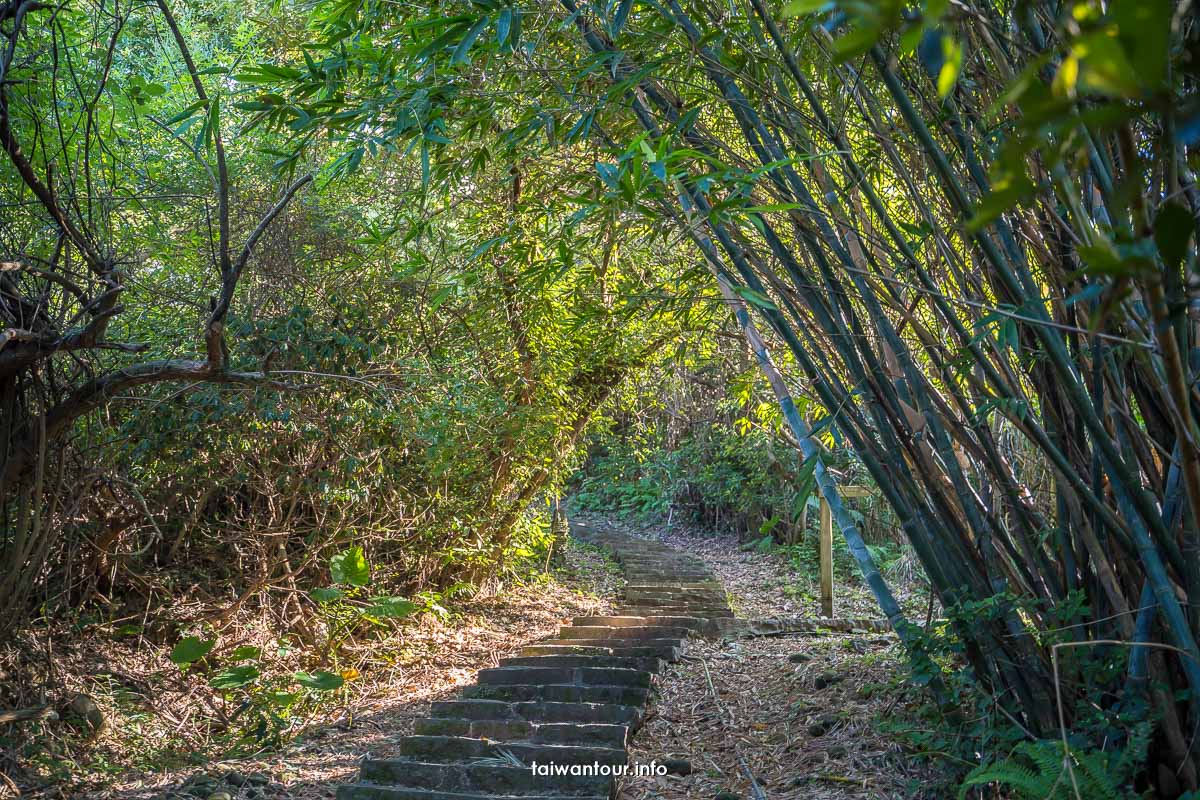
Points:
(350, 567)
(319, 680)
(191, 649)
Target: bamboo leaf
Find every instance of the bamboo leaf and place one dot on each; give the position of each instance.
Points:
(952, 60)
(504, 25)
(755, 298)
(1173, 229)
(796, 8)
(462, 53)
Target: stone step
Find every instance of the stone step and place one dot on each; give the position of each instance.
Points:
(668, 621)
(368, 791)
(602, 734)
(665, 576)
(536, 712)
(679, 604)
(457, 748)
(675, 590)
(674, 641)
(632, 632)
(493, 779)
(703, 612)
(579, 676)
(676, 597)
(585, 660)
(702, 584)
(667, 653)
(560, 693)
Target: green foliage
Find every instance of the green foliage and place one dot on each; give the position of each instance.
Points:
(350, 567)
(1040, 770)
(191, 649)
(320, 680)
(1000, 751)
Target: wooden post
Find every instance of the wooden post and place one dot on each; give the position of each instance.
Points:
(826, 548)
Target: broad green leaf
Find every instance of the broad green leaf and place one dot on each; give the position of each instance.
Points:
(349, 567)
(1006, 194)
(235, 677)
(934, 10)
(244, 652)
(319, 680)
(186, 113)
(609, 174)
(1103, 65)
(858, 41)
(771, 207)
(392, 607)
(1144, 31)
(326, 594)
(1067, 77)
(1104, 259)
(620, 16)
(754, 297)
(191, 649)
(503, 25)
(1087, 294)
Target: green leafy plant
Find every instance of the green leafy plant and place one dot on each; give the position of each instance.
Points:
(1040, 770)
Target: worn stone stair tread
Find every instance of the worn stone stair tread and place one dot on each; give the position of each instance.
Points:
(607, 632)
(577, 676)
(476, 776)
(705, 613)
(664, 652)
(563, 693)
(668, 597)
(458, 748)
(641, 621)
(536, 712)
(587, 734)
(371, 791)
(645, 664)
(617, 641)
(654, 609)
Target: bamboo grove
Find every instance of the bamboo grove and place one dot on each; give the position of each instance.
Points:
(970, 229)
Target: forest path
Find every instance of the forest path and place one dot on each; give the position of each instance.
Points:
(573, 700)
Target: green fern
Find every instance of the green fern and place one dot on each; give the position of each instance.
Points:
(1036, 771)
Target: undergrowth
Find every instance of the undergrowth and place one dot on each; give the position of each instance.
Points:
(144, 696)
(1109, 735)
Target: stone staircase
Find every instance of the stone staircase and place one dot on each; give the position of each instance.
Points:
(575, 699)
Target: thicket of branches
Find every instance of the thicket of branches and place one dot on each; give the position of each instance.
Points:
(219, 366)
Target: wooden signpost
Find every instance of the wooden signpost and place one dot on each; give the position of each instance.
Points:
(826, 547)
